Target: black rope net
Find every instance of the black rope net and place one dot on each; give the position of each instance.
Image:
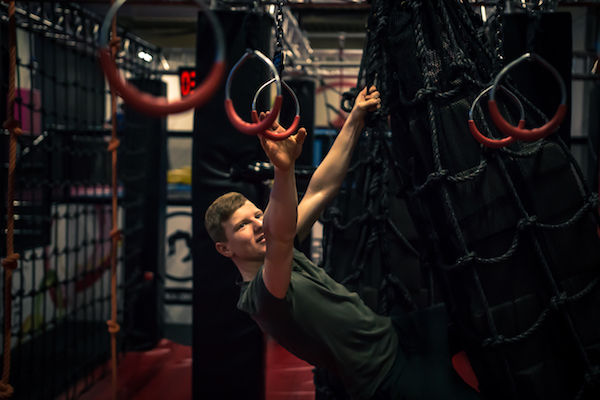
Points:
(61, 290)
(506, 238)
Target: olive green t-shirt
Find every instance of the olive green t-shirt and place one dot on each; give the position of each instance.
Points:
(323, 323)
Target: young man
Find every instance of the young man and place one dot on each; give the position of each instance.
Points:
(293, 300)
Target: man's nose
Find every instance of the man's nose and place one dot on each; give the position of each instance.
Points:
(258, 224)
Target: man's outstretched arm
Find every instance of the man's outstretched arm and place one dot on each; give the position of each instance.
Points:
(279, 223)
(328, 176)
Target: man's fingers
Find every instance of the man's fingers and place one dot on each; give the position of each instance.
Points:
(372, 102)
(300, 135)
(374, 95)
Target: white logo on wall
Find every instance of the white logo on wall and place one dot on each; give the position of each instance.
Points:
(178, 266)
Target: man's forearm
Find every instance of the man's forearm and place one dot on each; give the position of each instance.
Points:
(329, 175)
(281, 213)
(279, 225)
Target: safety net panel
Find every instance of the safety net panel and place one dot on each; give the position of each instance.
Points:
(60, 292)
(509, 234)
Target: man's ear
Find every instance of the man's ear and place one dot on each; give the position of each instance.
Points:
(223, 249)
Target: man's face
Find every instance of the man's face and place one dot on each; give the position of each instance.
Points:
(244, 233)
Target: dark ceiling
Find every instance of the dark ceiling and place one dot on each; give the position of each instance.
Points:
(172, 24)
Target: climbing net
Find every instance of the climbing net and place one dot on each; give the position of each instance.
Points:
(505, 237)
(63, 263)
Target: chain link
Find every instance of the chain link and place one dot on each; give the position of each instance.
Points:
(499, 50)
(278, 59)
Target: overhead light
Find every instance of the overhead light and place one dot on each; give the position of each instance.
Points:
(145, 56)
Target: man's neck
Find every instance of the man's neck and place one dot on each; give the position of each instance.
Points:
(248, 269)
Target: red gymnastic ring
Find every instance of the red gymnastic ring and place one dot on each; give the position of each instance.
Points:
(271, 134)
(256, 127)
(481, 138)
(158, 106)
(517, 131)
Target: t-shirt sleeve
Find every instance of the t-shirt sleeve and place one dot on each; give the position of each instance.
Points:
(266, 303)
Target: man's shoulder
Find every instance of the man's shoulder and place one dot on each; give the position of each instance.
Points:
(254, 295)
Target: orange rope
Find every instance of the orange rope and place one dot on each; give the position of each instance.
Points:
(10, 263)
(115, 234)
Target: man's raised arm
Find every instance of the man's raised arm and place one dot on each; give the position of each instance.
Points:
(328, 177)
(279, 223)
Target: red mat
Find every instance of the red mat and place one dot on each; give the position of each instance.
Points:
(287, 377)
(165, 372)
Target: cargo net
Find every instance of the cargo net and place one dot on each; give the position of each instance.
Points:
(509, 236)
(61, 293)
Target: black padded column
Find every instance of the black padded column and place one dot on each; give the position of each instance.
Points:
(227, 345)
(550, 36)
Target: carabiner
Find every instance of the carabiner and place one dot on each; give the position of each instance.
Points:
(519, 132)
(158, 106)
(484, 140)
(241, 125)
(293, 127)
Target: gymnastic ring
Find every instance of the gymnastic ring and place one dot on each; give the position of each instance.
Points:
(481, 138)
(519, 132)
(241, 125)
(158, 106)
(293, 127)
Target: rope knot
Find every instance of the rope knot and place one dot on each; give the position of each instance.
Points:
(10, 262)
(493, 341)
(13, 126)
(527, 222)
(467, 258)
(592, 377)
(558, 301)
(115, 233)
(113, 327)
(113, 144)
(6, 390)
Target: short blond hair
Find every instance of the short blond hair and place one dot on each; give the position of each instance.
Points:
(220, 211)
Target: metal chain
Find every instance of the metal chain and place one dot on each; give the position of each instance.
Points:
(278, 56)
(499, 50)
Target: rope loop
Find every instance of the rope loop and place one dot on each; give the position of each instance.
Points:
(6, 390)
(113, 327)
(11, 262)
(348, 97)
